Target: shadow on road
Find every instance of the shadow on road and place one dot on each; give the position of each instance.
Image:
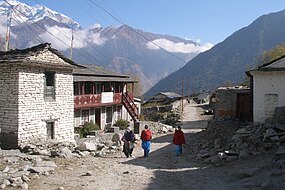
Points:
(181, 172)
(171, 172)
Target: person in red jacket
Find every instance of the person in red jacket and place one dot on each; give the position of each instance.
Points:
(178, 140)
(146, 136)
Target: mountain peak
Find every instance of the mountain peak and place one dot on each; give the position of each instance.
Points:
(26, 13)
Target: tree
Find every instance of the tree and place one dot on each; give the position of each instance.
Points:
(272, 54)
(267, 56)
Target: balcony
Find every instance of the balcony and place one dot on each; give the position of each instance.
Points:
(94, 100)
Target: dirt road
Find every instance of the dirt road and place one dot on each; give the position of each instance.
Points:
(161, 170)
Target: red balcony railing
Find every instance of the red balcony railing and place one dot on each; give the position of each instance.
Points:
(93, 100)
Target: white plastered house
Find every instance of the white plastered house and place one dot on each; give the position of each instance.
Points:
(268, 89)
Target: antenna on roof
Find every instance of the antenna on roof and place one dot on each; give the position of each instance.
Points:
(71, 45)
(9, 18)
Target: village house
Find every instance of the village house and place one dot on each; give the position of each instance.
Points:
(44, 96)
(165, 97)
(36, 96)
(232, 103)
(203, 97)
(103, 96)
(268, 89)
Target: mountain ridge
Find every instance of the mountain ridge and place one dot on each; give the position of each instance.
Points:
(227, 61)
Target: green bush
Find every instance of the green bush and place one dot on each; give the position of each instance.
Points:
(121, 123)
(86, 128)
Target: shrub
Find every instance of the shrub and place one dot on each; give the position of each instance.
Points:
(122, 123)
(86, 128)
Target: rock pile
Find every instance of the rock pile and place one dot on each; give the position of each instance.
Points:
(226, 142)
(18, 166)
(158, 128)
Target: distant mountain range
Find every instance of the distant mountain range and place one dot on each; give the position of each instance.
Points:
(119, 48)
(227, 61)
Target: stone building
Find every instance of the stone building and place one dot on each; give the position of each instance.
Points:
(165, 97)
(36, 96)
(103, 96)
(233, 103)
(268, 88)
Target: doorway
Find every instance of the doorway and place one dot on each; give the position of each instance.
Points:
(98, 117)
(243, 107)
(50, 130)
(85, 117)
(270, 103)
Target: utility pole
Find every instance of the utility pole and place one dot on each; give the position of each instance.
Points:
(182, 89)
(71, 45)
(9, 18)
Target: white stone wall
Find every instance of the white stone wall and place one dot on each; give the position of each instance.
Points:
(8, 98)
(264, 84)
(35, 110)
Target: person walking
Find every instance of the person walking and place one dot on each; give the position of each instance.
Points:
(128, 139)
(178, 140)
(146, 136)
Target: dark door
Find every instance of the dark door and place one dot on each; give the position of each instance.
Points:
(50, 130)
(98, 117)
(85, 116)
(243, 107)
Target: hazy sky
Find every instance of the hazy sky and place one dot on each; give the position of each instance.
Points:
(199, 20)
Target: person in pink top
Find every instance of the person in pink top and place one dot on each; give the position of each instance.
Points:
(178, 140)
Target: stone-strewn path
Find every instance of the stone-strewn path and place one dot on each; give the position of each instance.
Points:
(163, 170)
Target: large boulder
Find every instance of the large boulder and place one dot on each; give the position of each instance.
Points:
(117, 138)
(87, 146)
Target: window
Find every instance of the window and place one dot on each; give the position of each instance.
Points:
(50, 85)
(76, 88)
(98, 88)
(106, 87)
(88, 88)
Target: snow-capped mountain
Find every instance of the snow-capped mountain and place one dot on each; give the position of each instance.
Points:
(25, 13)
(119, 48)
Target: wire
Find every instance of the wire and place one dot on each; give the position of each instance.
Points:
(36, 37)
(50, 23)
(152, 41)
(74, 32)
(43, 28)
(86, 11)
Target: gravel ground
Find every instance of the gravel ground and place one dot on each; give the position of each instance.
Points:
(162, 169)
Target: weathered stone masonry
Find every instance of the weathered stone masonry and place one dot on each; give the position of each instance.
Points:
(24, 110)
(35, 110)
